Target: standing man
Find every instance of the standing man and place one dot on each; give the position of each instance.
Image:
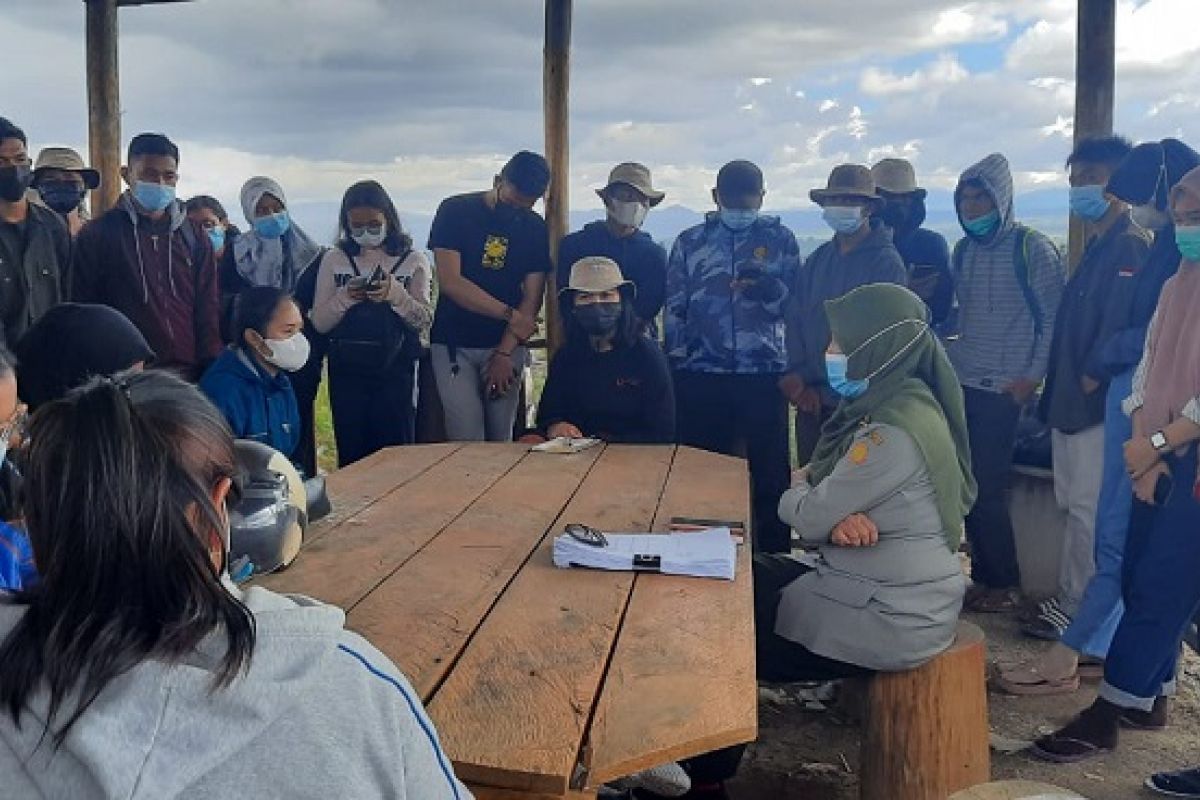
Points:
(492, 253)
(925, 253)
(1008, 280)
(859, 253)
(35, 248)
(727, 285)
(146, 259)
(61, 181)
(627, 198)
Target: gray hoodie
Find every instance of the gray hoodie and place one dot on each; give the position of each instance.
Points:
(997, 342)
(320, 714)
(828, 274)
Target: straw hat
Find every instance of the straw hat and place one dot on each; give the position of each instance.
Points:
(595, 274)
(635, 175)
(67, 160)
(847, 180)
(896, 176)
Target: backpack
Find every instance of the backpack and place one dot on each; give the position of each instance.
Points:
(372, 337)
(1020, 268)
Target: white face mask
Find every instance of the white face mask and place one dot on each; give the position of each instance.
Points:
(289, 354)
(629, 213)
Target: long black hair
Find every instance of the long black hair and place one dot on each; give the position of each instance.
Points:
(119, 511)
(629, 327)
(253, 309)
(371, 194)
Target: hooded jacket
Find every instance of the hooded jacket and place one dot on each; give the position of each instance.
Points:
(641, 259)
(320, 713)
(710, 327)
(34, 262)
(827, 275)
(256, 405)
(156, 274)
(998, 341)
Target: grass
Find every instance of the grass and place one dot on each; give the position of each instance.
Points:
(326, 446)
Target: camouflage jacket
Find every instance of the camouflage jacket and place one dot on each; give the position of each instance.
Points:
(710, 327)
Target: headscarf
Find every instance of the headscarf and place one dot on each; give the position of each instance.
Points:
(71, 343)
(261, 260)
(884, 331)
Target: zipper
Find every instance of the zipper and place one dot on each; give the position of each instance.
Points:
(732, 301)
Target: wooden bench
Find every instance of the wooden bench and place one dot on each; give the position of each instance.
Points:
(543, 683)
(926, 729)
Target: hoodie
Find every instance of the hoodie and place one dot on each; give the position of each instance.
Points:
(320, 713)
(827, 275)
(256, 405)
(159, 275)
(710, 327)
(997, 341)
(641, 259)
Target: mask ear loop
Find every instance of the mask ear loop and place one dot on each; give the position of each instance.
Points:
(924, 328)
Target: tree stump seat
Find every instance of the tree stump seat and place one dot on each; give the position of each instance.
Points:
(926, 730)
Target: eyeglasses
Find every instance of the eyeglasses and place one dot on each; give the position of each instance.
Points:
(586, 534)
(16, 427)
(375, 228)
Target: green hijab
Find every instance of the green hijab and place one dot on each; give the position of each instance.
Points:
(883, 330)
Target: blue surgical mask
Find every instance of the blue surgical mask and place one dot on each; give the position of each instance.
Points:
(272, 226)
(738, 219)
(843, 219)
(982, 226)
(1187, 239)
(153, 197)
(1088, 202)
(217, 237)
(836, 366)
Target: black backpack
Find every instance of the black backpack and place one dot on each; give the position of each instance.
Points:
(371, 336)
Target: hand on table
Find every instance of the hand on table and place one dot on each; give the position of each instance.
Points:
(856, 530)
(564, 429)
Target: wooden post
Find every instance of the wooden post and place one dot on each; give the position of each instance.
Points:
(1095, 72)
(926, 730)
(104, 101)
(556, 82)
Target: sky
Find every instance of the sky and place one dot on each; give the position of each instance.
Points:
(430, 97)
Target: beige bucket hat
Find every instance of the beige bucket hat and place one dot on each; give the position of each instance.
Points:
(896, 176)
(67, 160)
(594, 274)
(636, 175)
(847, 180)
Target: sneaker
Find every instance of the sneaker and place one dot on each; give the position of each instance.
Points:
(1049, 623)
(1182, 783)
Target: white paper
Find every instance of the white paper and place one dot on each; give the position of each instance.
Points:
(565, 444)
(702, 554)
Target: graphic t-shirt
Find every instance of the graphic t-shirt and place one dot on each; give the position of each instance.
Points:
(497, 252)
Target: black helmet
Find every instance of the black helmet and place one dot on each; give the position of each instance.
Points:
(268, 523)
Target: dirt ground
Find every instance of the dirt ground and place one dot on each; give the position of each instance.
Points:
(808, 749)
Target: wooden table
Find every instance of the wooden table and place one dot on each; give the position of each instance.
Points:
(542, 682)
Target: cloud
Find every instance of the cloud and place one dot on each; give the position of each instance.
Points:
(945, 70)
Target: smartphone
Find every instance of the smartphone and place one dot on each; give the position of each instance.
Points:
(749, 273)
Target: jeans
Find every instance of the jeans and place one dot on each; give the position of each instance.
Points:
(992, 429)
(472, 415)
(1091, 630)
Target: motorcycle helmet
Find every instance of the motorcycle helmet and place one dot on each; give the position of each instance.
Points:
(268, 522)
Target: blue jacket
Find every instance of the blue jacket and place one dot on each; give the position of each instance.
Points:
(256, 405)
(16, 559)
(709, 326)
(642, 260)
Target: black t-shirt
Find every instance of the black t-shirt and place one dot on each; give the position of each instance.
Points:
(496, 252)
(624, 395)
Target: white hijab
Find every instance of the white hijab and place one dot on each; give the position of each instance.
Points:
(261, 260)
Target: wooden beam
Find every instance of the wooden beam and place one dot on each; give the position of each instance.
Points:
(104, 101)
(1095, 75)
(556, 83)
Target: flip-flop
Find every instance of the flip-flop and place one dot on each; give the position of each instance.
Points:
(1086, 750)
(1090, 669)
(1037, 686)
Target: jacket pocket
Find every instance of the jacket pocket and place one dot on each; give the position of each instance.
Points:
(845, 589)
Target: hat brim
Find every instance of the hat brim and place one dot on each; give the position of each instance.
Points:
(91, 178)
(632, 287)
(819, 196)
(917, 191)
(653, 195)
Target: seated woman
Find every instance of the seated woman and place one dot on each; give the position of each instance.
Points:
(16, 557)
(248, 382)
(136, 668)
(882, 503)
(609, 381)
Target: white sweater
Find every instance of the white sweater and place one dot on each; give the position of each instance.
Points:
(409, 296)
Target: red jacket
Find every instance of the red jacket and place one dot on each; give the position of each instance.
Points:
(163, 278)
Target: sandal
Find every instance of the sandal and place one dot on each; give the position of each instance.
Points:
(1090, 669)
(992, 601)
(1028, 682)
(1059, 749)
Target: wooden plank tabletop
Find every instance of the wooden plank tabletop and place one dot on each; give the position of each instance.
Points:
(541, 679)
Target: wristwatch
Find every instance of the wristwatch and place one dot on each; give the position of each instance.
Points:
(1158, 440)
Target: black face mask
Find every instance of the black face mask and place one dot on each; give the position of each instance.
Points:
(599, 319)
(895, 215)
(13, 182)
(62, 196)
